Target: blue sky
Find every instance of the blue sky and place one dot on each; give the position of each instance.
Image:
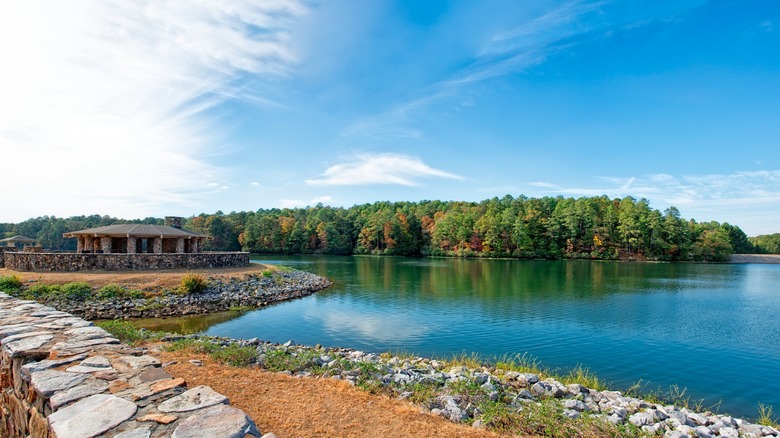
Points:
(136, 109)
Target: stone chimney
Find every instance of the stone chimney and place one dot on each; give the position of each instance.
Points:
(174, 221)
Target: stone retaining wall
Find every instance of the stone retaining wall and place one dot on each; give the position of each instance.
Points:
(46, 262)
(60, 376)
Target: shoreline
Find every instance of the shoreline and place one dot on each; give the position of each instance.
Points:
(240, 290)
(483, 395)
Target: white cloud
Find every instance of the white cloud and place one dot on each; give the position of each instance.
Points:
(386, 168)
(254, 184)
(104, 104)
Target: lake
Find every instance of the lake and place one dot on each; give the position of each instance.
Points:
(711, 328)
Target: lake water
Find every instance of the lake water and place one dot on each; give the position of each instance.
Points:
(713, 329)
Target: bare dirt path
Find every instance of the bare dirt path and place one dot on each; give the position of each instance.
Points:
(144, 280)
(308, 407)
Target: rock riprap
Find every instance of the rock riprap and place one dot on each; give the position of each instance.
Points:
(401, 375)
(251, 291)
(62, 377)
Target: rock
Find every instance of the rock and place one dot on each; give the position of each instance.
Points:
(153, 374)
(196, 362)
(269, 435)
(91, 416)
(141, 432)
(576, 405)
(703, 432)
(218, 421)
(571, 413)
(167, 384)
(16, 349)
(641, 419)
(33, 367)
(158, 418)
(90, 387)
(48, 382)
(695, 419)
(91, 365)
(577, 389)
(195, 398)
(136, 362)
(729, 432)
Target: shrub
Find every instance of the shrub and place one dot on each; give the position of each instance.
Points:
(111, 291)
(10, 283)
(40, 291)
(76, 291)
(192, 284)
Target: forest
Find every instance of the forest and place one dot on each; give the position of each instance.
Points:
(514, 227)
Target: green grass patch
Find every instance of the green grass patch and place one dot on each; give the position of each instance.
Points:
(115, 291)
(126, 332)
(10, 283)
(235, 355)
(281, 359)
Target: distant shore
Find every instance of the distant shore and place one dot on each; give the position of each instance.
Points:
(771, 259)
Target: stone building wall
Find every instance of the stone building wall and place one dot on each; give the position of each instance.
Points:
(46, 262)
(60, 376)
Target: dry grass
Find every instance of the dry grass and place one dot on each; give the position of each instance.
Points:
(307, 407)
(146, 280)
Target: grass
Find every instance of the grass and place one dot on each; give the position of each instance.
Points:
(10, 283)
(115, 291)
(231, 354)
(126, 332)
(766, 416)
(192, 284)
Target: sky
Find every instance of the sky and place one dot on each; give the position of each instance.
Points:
(150, 108)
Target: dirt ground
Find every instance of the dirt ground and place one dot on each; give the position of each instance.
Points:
(143, 280)
(309, 407)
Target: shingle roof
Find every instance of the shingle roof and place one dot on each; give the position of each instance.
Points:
(18, 239)
(135, 230)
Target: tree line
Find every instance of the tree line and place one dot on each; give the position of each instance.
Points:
(515, 227)
(766, 243)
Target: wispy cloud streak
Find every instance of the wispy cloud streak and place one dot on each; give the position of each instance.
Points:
(367, 169)
(108, 103)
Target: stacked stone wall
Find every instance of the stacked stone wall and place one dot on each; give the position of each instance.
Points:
(5, 250)
(60, 376)
(47, 262)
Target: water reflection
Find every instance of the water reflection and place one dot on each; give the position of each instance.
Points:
(714, 329)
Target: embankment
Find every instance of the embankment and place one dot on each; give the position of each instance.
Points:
(60, 376)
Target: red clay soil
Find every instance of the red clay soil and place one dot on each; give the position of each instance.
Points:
(310, 407)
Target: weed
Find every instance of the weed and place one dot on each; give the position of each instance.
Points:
(10, 283)
(126, 331)
(192, 284)
(115, 291)
(235, 355)
(267, 273)
(280, 359)
(766, 416)
(422, 392)
(584, 377)
(76, 291)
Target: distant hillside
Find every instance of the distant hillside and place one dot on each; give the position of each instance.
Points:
(766, 244)
(518, 227)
